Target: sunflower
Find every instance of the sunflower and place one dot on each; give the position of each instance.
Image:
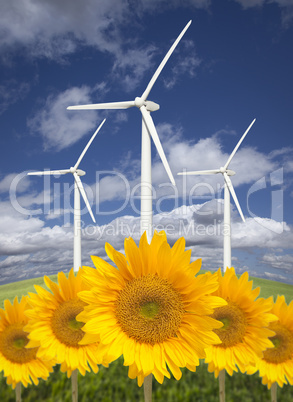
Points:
(53, 326)
(152, 309)
(245, 334)
(277, 363)
(20, 365)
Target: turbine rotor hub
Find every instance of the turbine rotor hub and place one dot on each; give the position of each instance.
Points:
(139, 102)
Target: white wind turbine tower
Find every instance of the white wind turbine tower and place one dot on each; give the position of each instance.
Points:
(228, 188)
(78, 189)
(148, 130)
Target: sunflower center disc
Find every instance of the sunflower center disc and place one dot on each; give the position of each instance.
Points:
(149, 309)
(12, 344)
(64, 324)
(283, 345)
(234, 322)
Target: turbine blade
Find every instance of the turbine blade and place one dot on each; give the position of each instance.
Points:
(238, 145)
(111, 105)
(83, 193)
(199, 172)
(88, 144)
(153, 133)
(47, 172)
(163, 62)
(232, 192)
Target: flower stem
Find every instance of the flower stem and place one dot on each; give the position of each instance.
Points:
(274, 392)
(147, 386)
(18, 392)
(74, 385)
(222, 386)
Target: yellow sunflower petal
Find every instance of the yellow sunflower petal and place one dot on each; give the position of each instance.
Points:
(153, 310)
(276, 364)
(54, 327)
(244, 333)
(133, 256)
(19, 362)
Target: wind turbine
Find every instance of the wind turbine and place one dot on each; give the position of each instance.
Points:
(228, 189)
(148, 130)
(78, 189)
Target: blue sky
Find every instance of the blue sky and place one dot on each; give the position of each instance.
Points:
(233, 64)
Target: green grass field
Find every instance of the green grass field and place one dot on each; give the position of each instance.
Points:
(21, 288)
(271, 288)
(112, 384)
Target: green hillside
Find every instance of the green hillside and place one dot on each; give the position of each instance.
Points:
(271, 288)
(21, 288)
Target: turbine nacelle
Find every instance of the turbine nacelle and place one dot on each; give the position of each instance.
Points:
(228, 171)
(79, 172)
(150, 106)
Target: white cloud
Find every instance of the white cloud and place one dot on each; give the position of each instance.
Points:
(262, 233)
(258, 3)
(24, 204)
(275, 277)
(15, 223)
(13, 260)
(18, 199)
(201, 226)
(161, 5)
(286, 7)
(284, 152)
(22, 185)
(12, 91)
(205, 154)
(190, 155)
(111, 187)
(251, 3)
(131, 65)
(186, 63)
(59, 127)
(53, 28)
(120, 117)
(284, 262)
(27, 243)
(50, 248)
(57, 213)
(284, 155)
